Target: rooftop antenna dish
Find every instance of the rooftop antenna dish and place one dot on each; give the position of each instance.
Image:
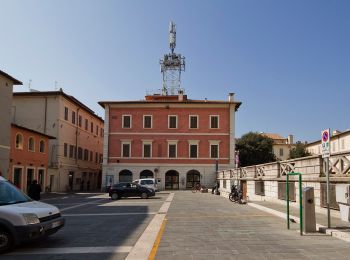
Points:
(171, 66)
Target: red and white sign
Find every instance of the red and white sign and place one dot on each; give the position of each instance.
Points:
(325, 143)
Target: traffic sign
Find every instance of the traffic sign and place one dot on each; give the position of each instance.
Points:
(326, 144)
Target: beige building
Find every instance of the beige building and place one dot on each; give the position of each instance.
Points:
(340, 142)
(281, 145)
(6, 88)
(75, 155)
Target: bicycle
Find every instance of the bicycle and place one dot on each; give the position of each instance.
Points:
(236, 195)
(197, 188)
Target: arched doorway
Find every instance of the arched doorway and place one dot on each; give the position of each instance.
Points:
(193, 178)
(146, 174)
(171, 180)
(125, 176)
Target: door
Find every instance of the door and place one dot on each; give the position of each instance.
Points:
(41, 178)
(30, 176)
(17, 178)
(172, 180)
(71, 180)
(193, 178)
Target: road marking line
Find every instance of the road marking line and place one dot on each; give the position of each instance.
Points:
(109, 214)
(73, 250)
(144, 244)
(80, 205)
(157, 242)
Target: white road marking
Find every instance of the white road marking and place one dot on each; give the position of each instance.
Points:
(73, 250)
(80, 205)
(109, 214)
(144, 244)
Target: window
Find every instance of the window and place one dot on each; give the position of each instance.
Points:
(147, 121)
(126, 121)
(74, 152)
(193, 122)
(73, 117)
(172, 151)
(147, 150)
(172, 121)
(101, 158)
(65, 150)
(86, 124)
(342, 144)
(80, 153)
(86, 154)
(97, 130)
(96, 157)
(214, 122)
(80, 119)
(281, 151)
(214, 151)
(101, 132)
(71, 151)
(19, 141)
(42, 146)
(126, 149)
(66, 113)
(193, 150)
(31, 144)
(91, 156)
(91, 127)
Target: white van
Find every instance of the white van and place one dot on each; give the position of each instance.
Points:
(22, 219)
(149, 183)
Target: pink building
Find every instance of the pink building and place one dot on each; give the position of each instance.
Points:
(29, 157)
(176, 140)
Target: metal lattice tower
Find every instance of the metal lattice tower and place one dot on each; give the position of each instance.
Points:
(171, 66)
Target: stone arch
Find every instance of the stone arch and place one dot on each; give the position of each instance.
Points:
(125, 176)
(193, 177)
(171, 180)
(146, 174)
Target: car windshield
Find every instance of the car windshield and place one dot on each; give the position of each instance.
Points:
(9, 194)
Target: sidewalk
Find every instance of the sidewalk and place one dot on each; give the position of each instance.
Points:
(339, 228)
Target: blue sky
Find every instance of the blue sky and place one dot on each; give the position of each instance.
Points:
(287, 61)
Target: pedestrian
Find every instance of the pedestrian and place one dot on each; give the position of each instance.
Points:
(34, 190)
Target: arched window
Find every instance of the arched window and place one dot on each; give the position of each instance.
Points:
(19, 141)
(42, 146)
(125, 176)
(31, 144)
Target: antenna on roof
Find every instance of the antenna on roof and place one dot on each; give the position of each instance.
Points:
(29, 84)
(56, 85)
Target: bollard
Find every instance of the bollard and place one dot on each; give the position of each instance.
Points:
(309, 217)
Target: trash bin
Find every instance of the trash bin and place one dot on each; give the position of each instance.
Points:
(309, 216)
(342, 192)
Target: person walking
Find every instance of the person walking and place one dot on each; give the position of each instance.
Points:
(34, 190)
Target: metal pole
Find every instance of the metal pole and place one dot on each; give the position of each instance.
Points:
(300, 206)
(328, 209)
(287, 197)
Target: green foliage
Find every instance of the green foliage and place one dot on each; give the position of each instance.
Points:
(255, 148)
(298, 151)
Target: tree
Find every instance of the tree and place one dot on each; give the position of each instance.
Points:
(255, 148)
(298, 151)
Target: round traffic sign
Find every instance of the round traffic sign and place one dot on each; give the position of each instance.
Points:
(325, 136)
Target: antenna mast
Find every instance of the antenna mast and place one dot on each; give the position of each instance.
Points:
(171, 66)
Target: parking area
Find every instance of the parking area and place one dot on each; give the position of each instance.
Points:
(96, 227)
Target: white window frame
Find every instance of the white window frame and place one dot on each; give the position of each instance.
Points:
(123, 116)
(20, 145)
(193, 142)
(22, 174)
(177, 121)
(172, 142)
(281, 152)
(210, 117)
(146, 142)
(42, 140)
(31, 137)
(143, 123)
(122, 148)
(189, 121)
(211, 143)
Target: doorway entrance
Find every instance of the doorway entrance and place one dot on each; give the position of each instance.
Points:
(17, 177)
(171, 180)
(30, 177)
(125, 176)
(193, 178)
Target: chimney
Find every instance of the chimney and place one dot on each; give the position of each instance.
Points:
(230, 97)
(181, 95)
(290, 139)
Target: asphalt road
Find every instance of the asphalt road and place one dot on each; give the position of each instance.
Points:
(96, 227)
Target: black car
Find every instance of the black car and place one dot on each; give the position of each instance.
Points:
(126, 189)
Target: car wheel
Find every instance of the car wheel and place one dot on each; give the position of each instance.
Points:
(115, 196)
(6, 241)
(144, 195)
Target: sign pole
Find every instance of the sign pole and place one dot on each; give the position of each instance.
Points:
(328, 209)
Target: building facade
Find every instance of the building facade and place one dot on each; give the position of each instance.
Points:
(6, 88)
(75, 155)
(281, 145)
(339, 142)
(29, 157)
(178, 141)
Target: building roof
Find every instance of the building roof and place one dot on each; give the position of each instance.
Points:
(273, 136)
(58, 93)
(15, 81)
(33, 131)
(170, 100)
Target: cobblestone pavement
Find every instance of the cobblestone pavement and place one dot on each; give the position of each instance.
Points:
(206, 226)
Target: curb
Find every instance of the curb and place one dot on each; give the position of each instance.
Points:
(320, 228)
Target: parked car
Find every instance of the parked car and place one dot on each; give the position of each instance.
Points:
(126, 189)
(23, 219)
(149, 183)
